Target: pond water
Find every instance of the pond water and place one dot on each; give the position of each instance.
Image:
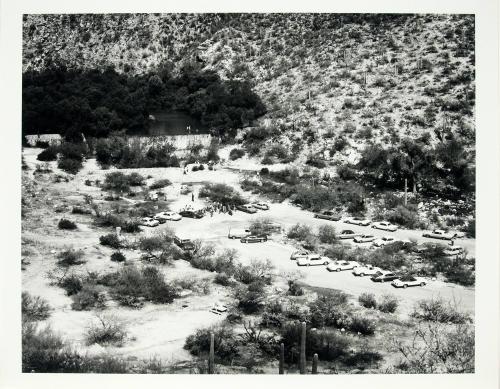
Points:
(175, 123)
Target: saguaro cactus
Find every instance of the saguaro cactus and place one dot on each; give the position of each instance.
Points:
(303, 349)
(315, 364)
(211, 355)
(282, 359)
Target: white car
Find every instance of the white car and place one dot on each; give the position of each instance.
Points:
(453, 251)
(238, 233)
(342, 265)
(384, 226)
(368, 270)
(405, 282)
(261, 205)
(358, 221)
(365, 238)
(313, 260)
(168, 215)
(348, 234)
(440, 234)
(383, 241)
(149, 222)
(299, 254)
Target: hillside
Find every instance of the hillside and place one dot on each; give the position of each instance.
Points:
(326, 80)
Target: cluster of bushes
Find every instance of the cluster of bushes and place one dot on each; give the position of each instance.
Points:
(388, 303)
(122, 152)
(70, 258)
(160, 184)
(221, 193)
(277, 153)
(120, 182)
(437, 310)
(304, 234)
(236, 153)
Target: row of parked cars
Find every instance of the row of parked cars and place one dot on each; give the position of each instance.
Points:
(253, 208)
(162, 217)
(305, 258)
(383, 225)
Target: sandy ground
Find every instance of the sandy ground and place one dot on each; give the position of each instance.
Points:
(160, 330)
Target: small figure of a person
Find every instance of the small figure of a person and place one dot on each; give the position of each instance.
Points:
(192, 197)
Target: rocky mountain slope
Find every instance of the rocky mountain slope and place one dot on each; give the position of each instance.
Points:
(326, 79)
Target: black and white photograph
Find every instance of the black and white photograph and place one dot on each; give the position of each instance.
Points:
(270, 193)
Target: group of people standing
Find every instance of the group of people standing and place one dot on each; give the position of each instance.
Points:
(220, 208)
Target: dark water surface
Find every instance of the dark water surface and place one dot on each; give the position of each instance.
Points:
(175, 123)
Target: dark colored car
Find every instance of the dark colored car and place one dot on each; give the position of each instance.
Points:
(254, 239)
(327, 215)
(185, 244)
(383, 277)
(192, 214)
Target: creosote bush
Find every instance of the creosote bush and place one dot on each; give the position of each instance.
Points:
(368, 300)
(65, 224)
(106, 330)
(437, 310)
(118, 256)
(70, 258)
(34, 308)
(225, 343)
(388, 304)
(110, 240)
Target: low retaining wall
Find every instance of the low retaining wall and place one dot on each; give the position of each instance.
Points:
(180, 142)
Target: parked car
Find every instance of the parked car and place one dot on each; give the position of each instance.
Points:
(167, 215)
(384, 226)
(341, 265)
(358, 221)
(368, 270)
(313, 260)
(365, 238)
(184, 243)
(192, 214)
(260, 205)
(299, 254)
(327, 215)
(405, 282)
(148, 222)
(383, 241)
(238, 233)
(383, 276)
(440, 234)
(248, 208)
(453, 251)
(347, 234)
(254, 239)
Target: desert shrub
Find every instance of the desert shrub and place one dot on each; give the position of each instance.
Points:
(160, 247)
(404, 216)
(108, 220)
(34, 308)
(470, 229)
(388, 304)
(120, 182)
(367, 300)
(328, 344)
(326, 234)
(70, 258)
(135, 179)
(236, 153)
(460, 274)
(294, 288)
(65, 224)
(262, 226)
(106, 330)
(225, 343)
(90, 296)
(300, 232)
(251, 298)
(362, 359)
(264, 171)
(340, 252)
(221, 193)
(49, 154)
(362, 325)
(110, 240)
(72, 284)
(69, 165)
(330, 310)
(131, 286)
(437, 310)
(43, 351)
(81, 211)
(223, 279)
(131, 226)
(256, 271)
(118, 256)
(160, 184)
(315, 161)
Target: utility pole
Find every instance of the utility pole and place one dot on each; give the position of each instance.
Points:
(211, 355)
(302, 361)
(406, 191)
